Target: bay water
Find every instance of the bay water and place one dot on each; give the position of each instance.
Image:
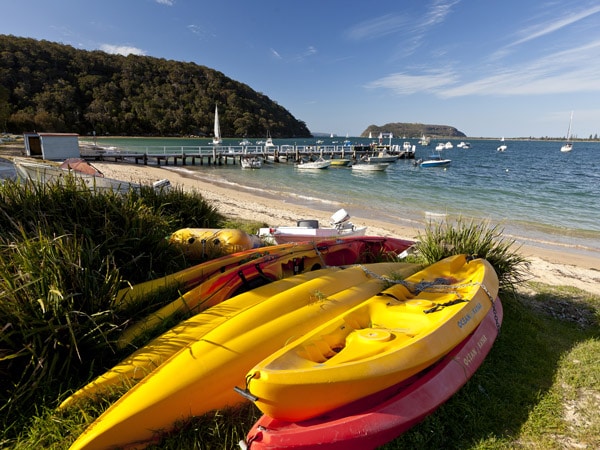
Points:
(535, 193)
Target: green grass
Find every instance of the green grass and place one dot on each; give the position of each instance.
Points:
(60, 267)
(64, 253)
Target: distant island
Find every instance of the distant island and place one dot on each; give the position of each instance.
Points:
(413, 130)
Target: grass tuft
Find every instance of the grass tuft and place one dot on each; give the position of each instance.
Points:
(65, 251)
(443, 239)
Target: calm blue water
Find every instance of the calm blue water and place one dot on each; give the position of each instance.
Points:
(535, 193)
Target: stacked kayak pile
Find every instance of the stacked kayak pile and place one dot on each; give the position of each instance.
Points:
(337, 351)
(194, 367)
(371, 373)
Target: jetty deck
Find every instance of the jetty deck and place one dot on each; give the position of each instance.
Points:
(225, 154)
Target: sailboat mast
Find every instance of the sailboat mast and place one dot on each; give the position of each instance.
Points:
(569, 130)
(217, 126)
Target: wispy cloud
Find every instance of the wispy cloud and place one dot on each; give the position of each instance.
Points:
(433, 82)
(542, 29)
(301, 57)
(437, 12)
(377, 27)
(567, 71)
(310, 51)
(122, 50)
(573, 70)
(201, 32)
(411, 31)
(165, 2)
(275, 53)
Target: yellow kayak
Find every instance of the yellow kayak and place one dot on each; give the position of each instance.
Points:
(376, 344)
(199, 243)
(202, 376)
(194, 275)
(143, 361)
(273, 264)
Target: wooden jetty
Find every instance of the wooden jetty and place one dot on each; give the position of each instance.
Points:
(223, 154)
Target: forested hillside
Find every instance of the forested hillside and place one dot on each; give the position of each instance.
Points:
(51, 87)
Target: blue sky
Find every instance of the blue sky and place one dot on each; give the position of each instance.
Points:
(492, 68)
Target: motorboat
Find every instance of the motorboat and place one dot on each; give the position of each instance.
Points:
(463, 144)
(319, 163)
(251, 162)
(370, 166)
(382, 157)
(435, 161)
(309, 230)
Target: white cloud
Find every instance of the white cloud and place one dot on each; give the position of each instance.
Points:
(543, 29)
(377, 27)
(166, 2)
(405, 84)
(573, 70)
(122, 50)
(275, 53)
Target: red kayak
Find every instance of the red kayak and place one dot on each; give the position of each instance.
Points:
(380, 418)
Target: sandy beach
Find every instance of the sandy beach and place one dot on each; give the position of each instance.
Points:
(547, 266)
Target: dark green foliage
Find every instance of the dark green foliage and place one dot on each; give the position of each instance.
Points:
(58, 88)
(65, 251)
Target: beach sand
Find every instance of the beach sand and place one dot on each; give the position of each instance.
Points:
(554, 267)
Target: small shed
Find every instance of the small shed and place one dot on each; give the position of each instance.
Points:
(52, 146)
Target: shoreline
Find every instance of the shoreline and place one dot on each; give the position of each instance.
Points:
(549, 266)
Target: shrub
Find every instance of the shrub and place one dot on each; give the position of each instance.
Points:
(443, 239)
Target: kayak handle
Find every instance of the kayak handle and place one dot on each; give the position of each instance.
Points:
(246, 394)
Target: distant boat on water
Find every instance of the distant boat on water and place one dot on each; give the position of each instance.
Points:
(568, 146)
(502, 146)
(269, 141)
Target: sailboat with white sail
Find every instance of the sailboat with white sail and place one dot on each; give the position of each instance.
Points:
(568, 146)
(217, 139)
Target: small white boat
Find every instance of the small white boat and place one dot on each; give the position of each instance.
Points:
(463, 145)
(269, 142)
(370, 166)
(309, 230)
(245, 142)
(502, 147)
(448, 145)
(440, 146)
(435, 161)
(251, 162)
(568, 146)
(319, 163)
(383, 157)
